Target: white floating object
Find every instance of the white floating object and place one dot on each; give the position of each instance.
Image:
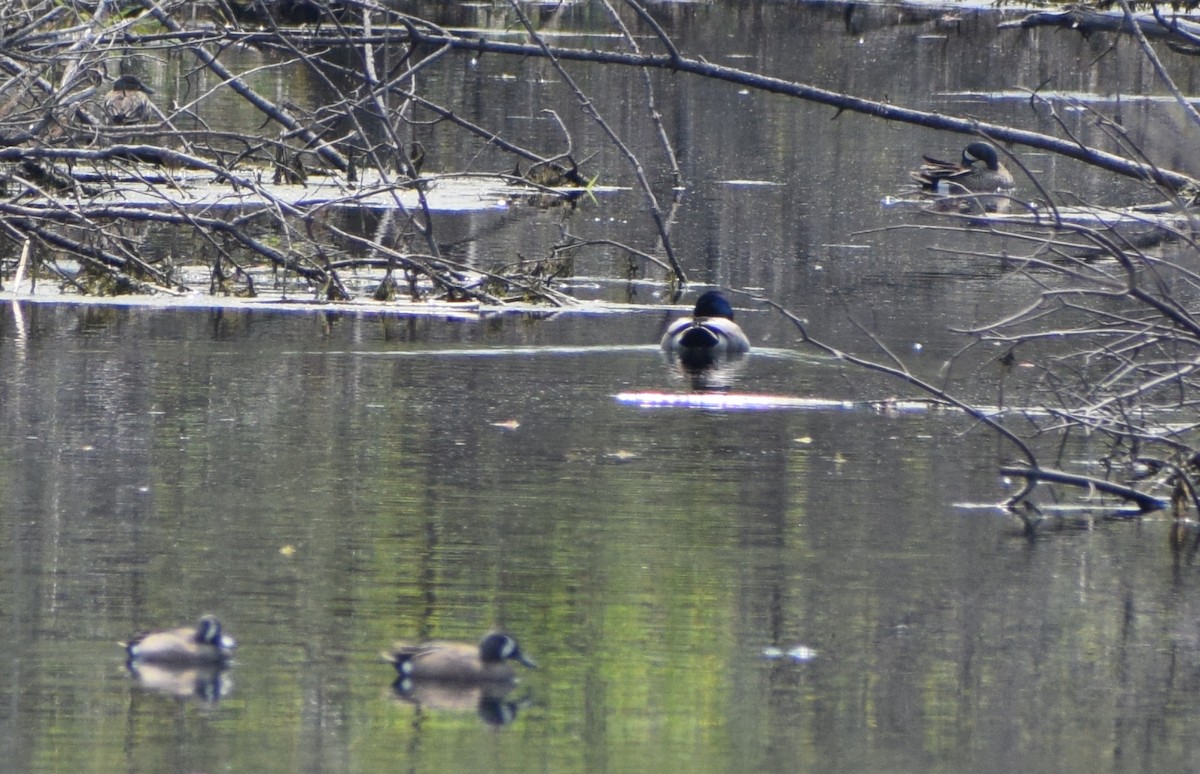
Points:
(728, 401)
(798, 653)
(802, 653)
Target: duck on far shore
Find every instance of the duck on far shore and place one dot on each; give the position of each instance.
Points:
(128, 101)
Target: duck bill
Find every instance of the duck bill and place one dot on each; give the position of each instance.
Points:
(527, 661)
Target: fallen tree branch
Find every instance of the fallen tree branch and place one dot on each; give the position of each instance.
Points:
(590, 109)
(1120, 165)
(904, 376)
(1086, 21)
(1147, 503)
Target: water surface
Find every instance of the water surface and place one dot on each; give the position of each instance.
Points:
(327, 483)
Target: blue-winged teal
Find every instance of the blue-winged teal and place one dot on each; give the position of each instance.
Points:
(979, 171)
(128, 102)
(201, 645)
(459, 662)
(709, 333)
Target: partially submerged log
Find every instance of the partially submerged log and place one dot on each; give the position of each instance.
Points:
(1146, 503)
(1087, 21)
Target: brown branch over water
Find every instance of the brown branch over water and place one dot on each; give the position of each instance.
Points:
(1140, 170)
(589, 107)
(82, 216)
(327, 152)
(843, 102)
(1086, 21)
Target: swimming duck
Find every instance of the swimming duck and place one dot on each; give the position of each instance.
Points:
(709, 333)
(186, 646)
(459, 662)
(966, 176)
(128, 102)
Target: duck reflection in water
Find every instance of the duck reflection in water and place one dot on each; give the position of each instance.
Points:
(207, 685)
(700, 375)
(458, 676)
(491, 701)
(709, 347)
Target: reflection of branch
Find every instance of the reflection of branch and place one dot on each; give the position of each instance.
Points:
(1148, 50)
(905, 376)
(589, 107)
(650, 22)
(327, 152)
(651, 106)
(576, 242)
(1129, 377)
(843, 102)
(83, 215)
(1032, 473)
(99, 260)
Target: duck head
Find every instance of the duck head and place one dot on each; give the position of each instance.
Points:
(129, 82)
(713, 304)
(981, 151)
(498, 646)
(208, 632)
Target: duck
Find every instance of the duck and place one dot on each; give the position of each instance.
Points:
(709, 333)
(459, 662)
(128, 101)
(270, 13)
(308, 11)
(966, 176)
(203, 644)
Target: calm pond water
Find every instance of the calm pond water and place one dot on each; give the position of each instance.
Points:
(327, 484)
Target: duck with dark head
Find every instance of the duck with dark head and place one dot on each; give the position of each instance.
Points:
(459, 662)
(708, 335)
(979, 177)
(457, 676)
(128, 102)
(270, 13)
(188, 646)
(188, 662)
